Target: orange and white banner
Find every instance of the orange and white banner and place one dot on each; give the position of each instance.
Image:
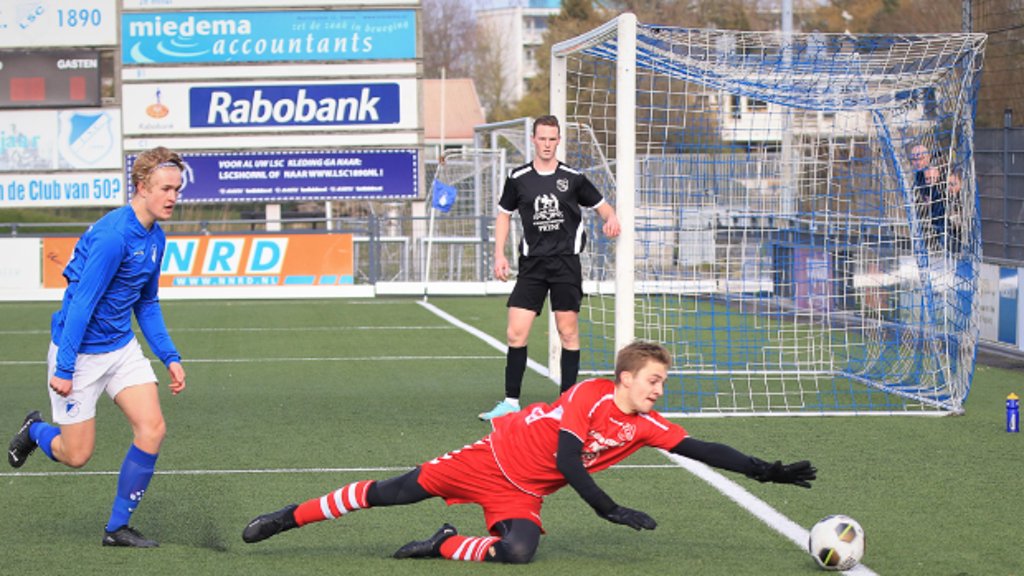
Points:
(237, 260)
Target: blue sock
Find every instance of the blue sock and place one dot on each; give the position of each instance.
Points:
(43, 434)
(136, 472)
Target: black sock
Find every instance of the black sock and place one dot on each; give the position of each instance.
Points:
(515, 367)
(570, 364)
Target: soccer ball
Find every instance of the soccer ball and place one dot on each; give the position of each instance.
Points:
(836, 542)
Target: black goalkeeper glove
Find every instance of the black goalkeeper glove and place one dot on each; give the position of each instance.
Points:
(800, 473)
(635, 519)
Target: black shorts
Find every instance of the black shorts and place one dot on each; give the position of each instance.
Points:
(562, 276)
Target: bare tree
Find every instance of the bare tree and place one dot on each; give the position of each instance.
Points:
(448, 38)
(491, 71)
(575, 18)
(891, 16)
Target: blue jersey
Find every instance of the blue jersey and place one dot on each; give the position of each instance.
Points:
(115, 270)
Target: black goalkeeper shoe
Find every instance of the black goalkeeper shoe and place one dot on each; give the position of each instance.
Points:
(128, 537)
(267, 525)
(429, 548)
(21, 445)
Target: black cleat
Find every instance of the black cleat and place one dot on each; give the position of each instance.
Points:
(21, 445)
(267, 525)
(429, 548)
(128, 537)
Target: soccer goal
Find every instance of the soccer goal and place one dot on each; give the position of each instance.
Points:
(799, 211)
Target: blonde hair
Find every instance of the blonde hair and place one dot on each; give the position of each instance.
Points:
(149, 161)
(637, 354)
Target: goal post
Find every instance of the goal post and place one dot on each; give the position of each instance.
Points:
(623, 181)
(799, 213)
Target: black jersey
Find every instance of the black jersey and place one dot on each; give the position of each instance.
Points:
(549, 206)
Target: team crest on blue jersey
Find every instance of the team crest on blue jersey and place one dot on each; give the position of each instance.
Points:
(562, 184)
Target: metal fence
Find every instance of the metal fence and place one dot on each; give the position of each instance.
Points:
(1002, 78)
(999, 162)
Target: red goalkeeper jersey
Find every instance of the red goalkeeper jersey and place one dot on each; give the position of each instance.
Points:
(525, 442)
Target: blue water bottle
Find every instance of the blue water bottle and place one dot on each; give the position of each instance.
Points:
(1012, 413)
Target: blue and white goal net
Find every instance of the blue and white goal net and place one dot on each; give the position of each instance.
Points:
(800, 213)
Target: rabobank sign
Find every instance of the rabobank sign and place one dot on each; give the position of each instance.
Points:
(270, 106)
(295, 105)
(220, 37)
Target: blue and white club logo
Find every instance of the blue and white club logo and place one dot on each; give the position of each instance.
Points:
(72, 407)
(87, 140)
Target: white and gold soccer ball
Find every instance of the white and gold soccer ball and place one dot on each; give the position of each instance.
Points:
(836, 542)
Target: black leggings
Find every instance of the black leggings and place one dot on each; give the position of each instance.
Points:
(519, 537)
(397, 491)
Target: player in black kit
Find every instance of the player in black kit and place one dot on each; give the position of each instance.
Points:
(550, 197)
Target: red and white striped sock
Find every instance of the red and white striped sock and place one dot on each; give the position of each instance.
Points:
(468, 548)
(334, 504)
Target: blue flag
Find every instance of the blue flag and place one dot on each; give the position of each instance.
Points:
(444, 196)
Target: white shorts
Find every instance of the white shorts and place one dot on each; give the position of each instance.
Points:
(111, 372)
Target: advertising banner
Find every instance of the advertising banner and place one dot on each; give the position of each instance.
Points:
(86, 139)
(20, 264)
(988, 302)
(299, 175)
(37, 23)
(56, 254)
(210, 4)
(49, 78)
(242, 260)
(1008, 282)
(243, 72)
(269, 107)
(62, 190)
(286, 36)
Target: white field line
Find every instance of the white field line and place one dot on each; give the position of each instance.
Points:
(339, 328)
(487, 338)
(295, 359)
(757, 507)
(230, 472)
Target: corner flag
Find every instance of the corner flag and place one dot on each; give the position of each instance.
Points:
(444, 196)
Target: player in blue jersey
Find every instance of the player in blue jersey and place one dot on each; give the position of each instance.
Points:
(550, 198)
(114, 272)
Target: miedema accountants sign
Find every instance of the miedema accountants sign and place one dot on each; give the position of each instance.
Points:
(231, 37)
(274, 106)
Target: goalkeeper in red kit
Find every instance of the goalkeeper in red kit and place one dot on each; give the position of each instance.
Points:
(533, 453)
